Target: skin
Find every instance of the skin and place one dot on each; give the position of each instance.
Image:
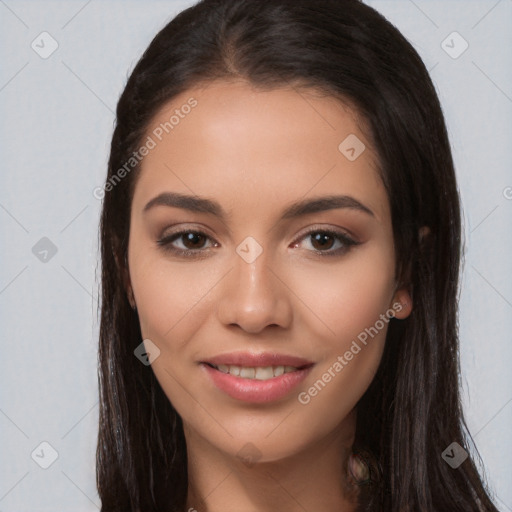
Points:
(256, 152)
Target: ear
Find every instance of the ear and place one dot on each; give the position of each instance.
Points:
(402, 299)
(402, 303)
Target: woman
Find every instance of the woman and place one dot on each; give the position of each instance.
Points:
(280, 261)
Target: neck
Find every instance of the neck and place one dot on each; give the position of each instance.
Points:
(313, 479)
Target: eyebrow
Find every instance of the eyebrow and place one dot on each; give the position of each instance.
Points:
(298, 209)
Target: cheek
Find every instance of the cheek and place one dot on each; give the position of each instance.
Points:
(349, 297)
(173, 302)
(353, 302)
(171, 299)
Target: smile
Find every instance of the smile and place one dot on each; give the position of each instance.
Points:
(255, 372)
(255, 384)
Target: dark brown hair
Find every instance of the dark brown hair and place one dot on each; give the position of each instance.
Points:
(412, 410)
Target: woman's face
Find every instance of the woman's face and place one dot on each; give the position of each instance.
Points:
(261, 245)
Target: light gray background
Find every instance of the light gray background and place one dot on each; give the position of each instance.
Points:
(57, 119)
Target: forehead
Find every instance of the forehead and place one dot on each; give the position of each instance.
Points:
(244, 145)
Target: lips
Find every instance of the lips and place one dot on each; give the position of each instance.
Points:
(256, 378)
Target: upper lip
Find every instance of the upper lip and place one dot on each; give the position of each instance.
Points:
(257, 359)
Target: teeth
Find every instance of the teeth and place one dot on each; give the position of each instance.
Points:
(247, 373)
(233, 370)
(278, 370)
(258, 372)
(264, 373)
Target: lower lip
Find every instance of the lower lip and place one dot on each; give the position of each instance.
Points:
(253, 390)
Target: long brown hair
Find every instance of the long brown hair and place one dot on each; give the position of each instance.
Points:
(412, 410)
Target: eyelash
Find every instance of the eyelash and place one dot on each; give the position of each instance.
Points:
(347, 241)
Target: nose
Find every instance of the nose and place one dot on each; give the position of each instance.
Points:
(254, 296)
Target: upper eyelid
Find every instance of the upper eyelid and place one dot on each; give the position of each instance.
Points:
(181, 231)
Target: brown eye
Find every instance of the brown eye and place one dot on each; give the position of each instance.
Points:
(327, 242)
(187, 243)
(322, 240)
(193, 240)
